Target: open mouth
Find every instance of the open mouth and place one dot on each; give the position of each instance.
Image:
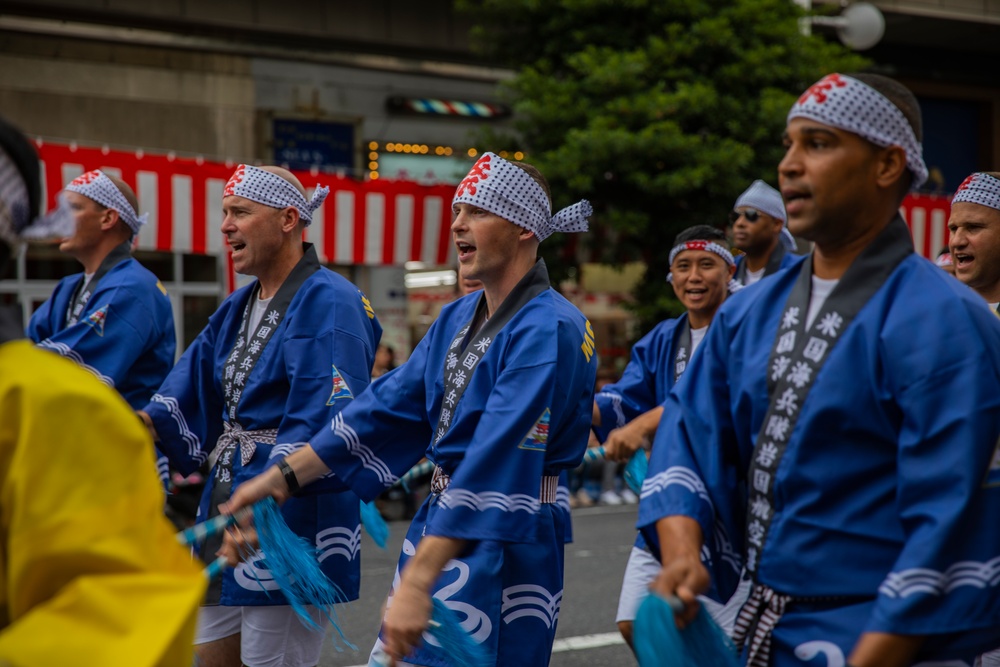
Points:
(465, 250)
(962, 260)
(237, 246)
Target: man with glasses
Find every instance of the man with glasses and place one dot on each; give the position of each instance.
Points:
(758, 221)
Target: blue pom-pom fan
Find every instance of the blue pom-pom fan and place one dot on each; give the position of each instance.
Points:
(659, 643)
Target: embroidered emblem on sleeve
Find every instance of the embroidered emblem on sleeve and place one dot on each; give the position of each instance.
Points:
(340, 388)
(538, 436)
(97, 319)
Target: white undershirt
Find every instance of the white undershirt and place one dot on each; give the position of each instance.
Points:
(87, 277)
(257, 312)
(821, 288)
(697, 335)
(753, 276)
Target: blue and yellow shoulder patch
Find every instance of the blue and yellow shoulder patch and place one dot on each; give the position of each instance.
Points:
(538, 437)
(367, 304)
(97, 319)
(159, 286)
(588, 343)
(340, 388)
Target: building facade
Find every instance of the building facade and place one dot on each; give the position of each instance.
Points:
(376, 93)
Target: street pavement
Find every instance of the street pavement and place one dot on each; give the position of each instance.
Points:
(586, 636)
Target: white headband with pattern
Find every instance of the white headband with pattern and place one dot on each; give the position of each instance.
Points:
(707, 246)
(764, 198)
(979, 188)
(97, 186)
(849, 104)
(506, 190)
(269, 189)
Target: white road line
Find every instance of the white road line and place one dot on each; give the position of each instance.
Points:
(579, 643)
(584, 642)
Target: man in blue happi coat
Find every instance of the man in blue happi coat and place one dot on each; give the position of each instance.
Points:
(760, 233)
(974, 243)
(278, 360)
(498, 395)
(845, 445)
(627, 412)
(114, 319)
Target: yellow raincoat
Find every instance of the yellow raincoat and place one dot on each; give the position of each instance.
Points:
(90, 570)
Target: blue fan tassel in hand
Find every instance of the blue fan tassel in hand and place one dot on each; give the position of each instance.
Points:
(292, 562)
(659, 643)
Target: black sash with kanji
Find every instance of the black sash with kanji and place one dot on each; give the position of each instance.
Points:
(462, 359)
(797, 357)
(773, 264)
(250, 344)
(683, 355)
(245, 353)
(81, 295)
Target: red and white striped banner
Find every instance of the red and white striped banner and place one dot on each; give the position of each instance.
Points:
(927, 216)
(372, 222)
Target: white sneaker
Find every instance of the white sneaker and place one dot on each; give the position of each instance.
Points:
(610, 498)
(629, 497)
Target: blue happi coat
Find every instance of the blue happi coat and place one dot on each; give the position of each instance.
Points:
(124, 335)
(646, 381)
(317, 360)
(525, 414)
(887, 498)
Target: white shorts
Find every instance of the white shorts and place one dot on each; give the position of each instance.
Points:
(269, 636)
(642, 570)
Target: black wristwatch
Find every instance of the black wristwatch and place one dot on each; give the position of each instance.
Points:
(290, 479)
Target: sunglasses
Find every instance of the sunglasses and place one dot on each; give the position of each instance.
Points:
(751, 214)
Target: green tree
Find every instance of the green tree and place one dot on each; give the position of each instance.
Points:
(660, 112)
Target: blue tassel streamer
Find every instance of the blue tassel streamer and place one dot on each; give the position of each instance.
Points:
(374, 524)
(215, 568)
(659, 643)
(292, 562)
(635, 471)
(457, 647)
(419, 470)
